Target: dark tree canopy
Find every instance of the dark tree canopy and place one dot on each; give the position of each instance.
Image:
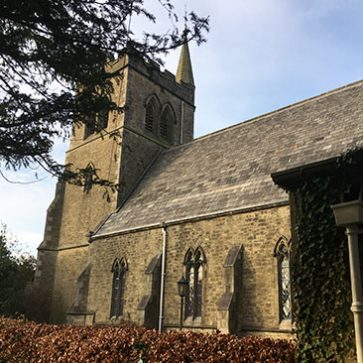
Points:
(15, 273)
(51, 48)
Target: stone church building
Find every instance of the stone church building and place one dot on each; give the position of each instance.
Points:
(207, 209)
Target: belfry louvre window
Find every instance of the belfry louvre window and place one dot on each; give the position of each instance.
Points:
(119, 268)
(282, 252)
(101, 120)
(150, 115)
(194, 261)
(95, 123)
(166, 124)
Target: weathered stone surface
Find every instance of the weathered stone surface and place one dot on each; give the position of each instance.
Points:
(121, 153)
(256, 231)
(231, 168)
(215, 193)
(138, 249)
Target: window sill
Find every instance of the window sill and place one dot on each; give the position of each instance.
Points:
(192, 322)
(286, 324)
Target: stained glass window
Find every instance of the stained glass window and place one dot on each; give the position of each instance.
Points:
(194, 274)
(282, 252)
(119, 269)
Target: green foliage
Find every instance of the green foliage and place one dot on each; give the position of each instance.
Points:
(15, 273)
(56, 343)
(320, 274)
(52, 68)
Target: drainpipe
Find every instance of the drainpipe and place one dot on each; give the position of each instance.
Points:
(162, 283)
(357, 295)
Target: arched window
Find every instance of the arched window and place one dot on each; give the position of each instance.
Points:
(88, 174)
(90, 125)
(282, 252)
(194, 261)
(95, 123)
(189, 275)
(101, 120)
(167, 122)
(151, 115)
(119, 268)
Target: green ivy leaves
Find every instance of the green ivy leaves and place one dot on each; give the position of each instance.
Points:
(320, 274)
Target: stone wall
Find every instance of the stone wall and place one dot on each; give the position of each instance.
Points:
(72, 215)
(137, 155)
(82, 212)
(138, 249)
(69, 265)
(40, 291)
(256, 231)
(144, 85)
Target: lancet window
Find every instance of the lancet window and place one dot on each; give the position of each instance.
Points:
(96, 123)
(119, 268)
(166, 124)
(194, 262)
(282, 253)
(151, 115)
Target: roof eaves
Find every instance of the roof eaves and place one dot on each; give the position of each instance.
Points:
(268, 114)
(276, 203)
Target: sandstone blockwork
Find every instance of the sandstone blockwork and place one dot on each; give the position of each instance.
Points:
(88, 276)
(239, 253)
(121, 152)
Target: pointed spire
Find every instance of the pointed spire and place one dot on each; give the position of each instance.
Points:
(185, 72)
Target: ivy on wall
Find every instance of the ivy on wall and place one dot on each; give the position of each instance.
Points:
(320, 274)
(320, 263)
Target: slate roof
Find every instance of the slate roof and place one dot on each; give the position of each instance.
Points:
(231, 168)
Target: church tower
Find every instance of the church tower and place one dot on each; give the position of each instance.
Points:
(158, 113)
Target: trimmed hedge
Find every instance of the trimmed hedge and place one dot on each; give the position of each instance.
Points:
(25, 341)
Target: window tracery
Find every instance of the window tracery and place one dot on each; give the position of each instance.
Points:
(194, 262)
(282, 253)
(119, 268)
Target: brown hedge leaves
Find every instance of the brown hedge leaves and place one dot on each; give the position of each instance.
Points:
(24, 341)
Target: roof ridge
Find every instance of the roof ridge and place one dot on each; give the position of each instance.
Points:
(239, 176)
(263, 116)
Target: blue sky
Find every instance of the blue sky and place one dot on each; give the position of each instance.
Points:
(261, 55)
